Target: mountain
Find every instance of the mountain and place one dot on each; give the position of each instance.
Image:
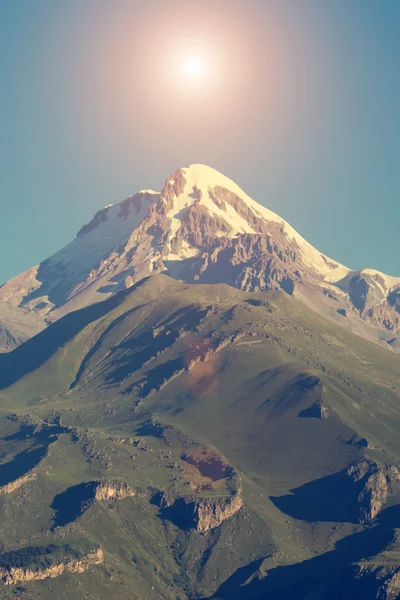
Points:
(203, 228)
(198, 441)
(206, 408)
(17, 325)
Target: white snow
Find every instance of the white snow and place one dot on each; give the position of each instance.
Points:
(206, 178)
(186, 251)
(84, 252)
(390, 282)
(151, 192)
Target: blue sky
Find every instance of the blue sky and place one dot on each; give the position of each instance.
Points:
(311, 129)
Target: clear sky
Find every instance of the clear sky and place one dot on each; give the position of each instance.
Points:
(301, 109)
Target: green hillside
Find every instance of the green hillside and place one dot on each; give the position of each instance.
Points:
(212, 443)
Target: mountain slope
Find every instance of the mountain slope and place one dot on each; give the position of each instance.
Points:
(16, 326)
(58, 280)
(212, 442)
(203, 228)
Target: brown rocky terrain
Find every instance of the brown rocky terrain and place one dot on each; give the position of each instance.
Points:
(209, 514)
(378, 482)
(11, 487)
(113, 491)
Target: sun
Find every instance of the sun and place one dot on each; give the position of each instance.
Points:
(193, 71)
(194, 67)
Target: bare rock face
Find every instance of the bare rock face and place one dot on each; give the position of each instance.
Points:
(209, 514)
(366, 291)
(390, 590)
(174, 187)
(379, 576)
(376, 577)
(199, 227)
(256, 262)
(205, 468)
(17, 325)
(316, 411)
(386, 316)
(373, 496)
(113, 491)
(377, 483)
(16, 575)
(99, 217)
(394, 300)
(378, 581)
(15, 485)
(372, 296)
(201, 514)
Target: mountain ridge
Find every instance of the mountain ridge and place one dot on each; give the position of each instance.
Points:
(239, 438)
(202, 227)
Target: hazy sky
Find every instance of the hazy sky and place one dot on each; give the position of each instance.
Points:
(301, 107)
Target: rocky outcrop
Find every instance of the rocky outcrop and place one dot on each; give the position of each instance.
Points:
(377, 483)
(113, 491)
(316, 411)
(205, 469)
(366, 291)
(385, 315)
(210, 513)
(378, 581)
(16, 575)
(378, 577)
(173, 187)
(201, 514)
(99, 217)
(250, 262)
(15, 485)
(394, 300)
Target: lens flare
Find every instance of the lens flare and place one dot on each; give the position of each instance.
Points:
(193, 71)
(194, 67)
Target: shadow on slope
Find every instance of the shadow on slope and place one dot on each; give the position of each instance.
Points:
(138, 350)
(21, 464)
(34, 352)
(73, 502)
(331, 498)
(26, 460)
(325, 577)
(159, 375)
(179, 514)
(98, 345)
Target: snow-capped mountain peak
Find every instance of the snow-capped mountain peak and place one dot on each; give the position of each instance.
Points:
(220, 196)
(202, 227)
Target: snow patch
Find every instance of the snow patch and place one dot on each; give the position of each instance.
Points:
(186, 251)
(205, 178)
(390, 282)
(85, 252)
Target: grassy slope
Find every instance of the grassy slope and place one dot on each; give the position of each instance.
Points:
(94, 370)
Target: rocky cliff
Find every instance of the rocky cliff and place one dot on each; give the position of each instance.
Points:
(377, 483)
(113, 491)
(201, 514)
(15, 575)
(376, 581)
(11, 487)
(210, 513)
